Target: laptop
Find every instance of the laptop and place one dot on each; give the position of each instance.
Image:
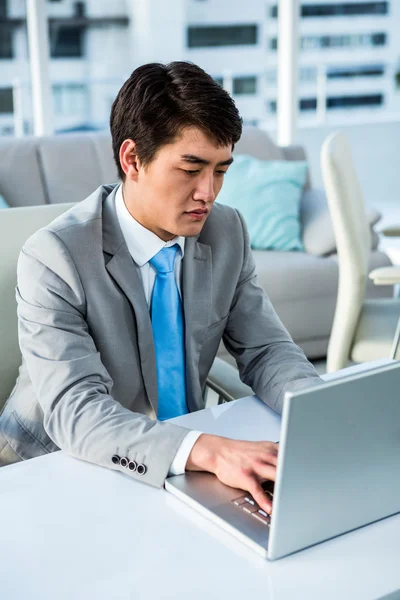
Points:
(338, 467)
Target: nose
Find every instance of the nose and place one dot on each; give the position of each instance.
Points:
(205, 189)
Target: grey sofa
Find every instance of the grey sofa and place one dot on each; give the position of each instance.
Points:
(301, 285)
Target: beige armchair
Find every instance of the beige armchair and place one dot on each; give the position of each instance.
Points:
(16, 226)
(363, 330)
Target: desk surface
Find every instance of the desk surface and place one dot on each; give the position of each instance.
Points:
(70, 530)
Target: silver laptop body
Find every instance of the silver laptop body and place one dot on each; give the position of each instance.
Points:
(338, 467)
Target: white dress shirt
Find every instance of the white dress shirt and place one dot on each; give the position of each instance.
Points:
(143, 244)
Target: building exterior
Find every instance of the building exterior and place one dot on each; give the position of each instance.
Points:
(90, 57)
(348, 64)
(348, 60)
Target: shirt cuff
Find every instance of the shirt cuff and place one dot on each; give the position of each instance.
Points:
(179, 463)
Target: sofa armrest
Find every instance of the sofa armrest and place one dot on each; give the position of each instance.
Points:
(385, 275)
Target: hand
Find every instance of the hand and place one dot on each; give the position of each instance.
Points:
(237, 463)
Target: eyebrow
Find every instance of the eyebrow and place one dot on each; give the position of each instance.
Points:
(193, 159)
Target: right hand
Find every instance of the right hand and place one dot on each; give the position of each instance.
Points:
(237, 463)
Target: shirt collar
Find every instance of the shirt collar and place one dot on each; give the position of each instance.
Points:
(142, 243)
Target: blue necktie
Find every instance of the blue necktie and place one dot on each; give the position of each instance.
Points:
(167, 323)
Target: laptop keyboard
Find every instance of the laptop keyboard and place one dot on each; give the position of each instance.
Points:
(250, 506)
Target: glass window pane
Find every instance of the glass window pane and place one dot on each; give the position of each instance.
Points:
(228, 35)
(6, 100)
(245, 85)
(66, 41)
(6, 41)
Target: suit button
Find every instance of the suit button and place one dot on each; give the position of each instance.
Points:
(141, 469)
(132, 465)
(116, 459)
(124, 462)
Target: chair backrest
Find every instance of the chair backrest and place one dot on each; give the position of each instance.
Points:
(16, 226)
(353, 242)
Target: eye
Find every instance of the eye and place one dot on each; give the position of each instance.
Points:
(220, 173)
(191, 172)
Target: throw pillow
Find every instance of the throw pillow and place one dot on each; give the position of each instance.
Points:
(3, 203)
(267, 194)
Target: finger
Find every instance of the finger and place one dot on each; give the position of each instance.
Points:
(264, 471)
(271, 449)
(262, 499)
(269, 458)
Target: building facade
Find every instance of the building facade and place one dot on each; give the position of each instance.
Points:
(348, 61)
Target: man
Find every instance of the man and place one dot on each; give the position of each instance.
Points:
(123, 300)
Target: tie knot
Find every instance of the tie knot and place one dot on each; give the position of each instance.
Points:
(164, 260)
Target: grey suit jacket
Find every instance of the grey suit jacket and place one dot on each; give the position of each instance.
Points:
(87, 383)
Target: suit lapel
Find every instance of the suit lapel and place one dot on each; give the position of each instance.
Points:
(197, 290)
(123, 270)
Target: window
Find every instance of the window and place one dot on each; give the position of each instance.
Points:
(379, 39)
(305, 104)
(79, 9)
(312, 42)
(66, 41)
(308, 104)
(308, 74)
(336, 102)
(344, 9)
(6, 101)
(219, 80)
(355, 71)
(6, 42)
(244, 85)
(340, 9)
(354, 101)
(273, 12)
(3, 8)
(273, 44)
(224, 35)
(70, 99)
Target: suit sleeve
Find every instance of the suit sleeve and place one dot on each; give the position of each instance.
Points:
(268, 359)
(73, 386)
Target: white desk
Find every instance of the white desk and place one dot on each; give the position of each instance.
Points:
(73, 531)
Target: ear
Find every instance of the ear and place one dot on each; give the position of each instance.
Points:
(129, 160)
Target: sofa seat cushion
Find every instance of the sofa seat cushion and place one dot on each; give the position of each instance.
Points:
(302, 289)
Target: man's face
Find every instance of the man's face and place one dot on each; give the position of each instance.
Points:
(174, 194)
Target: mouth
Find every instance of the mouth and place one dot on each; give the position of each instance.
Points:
(198, 211)
(197, 215)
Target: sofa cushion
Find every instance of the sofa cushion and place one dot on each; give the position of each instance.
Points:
(267, 193)
(257, 143)
(104, 153)
(3, 203)
(71, 167)
(302, 289)
(20, 174)
(317, 229)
